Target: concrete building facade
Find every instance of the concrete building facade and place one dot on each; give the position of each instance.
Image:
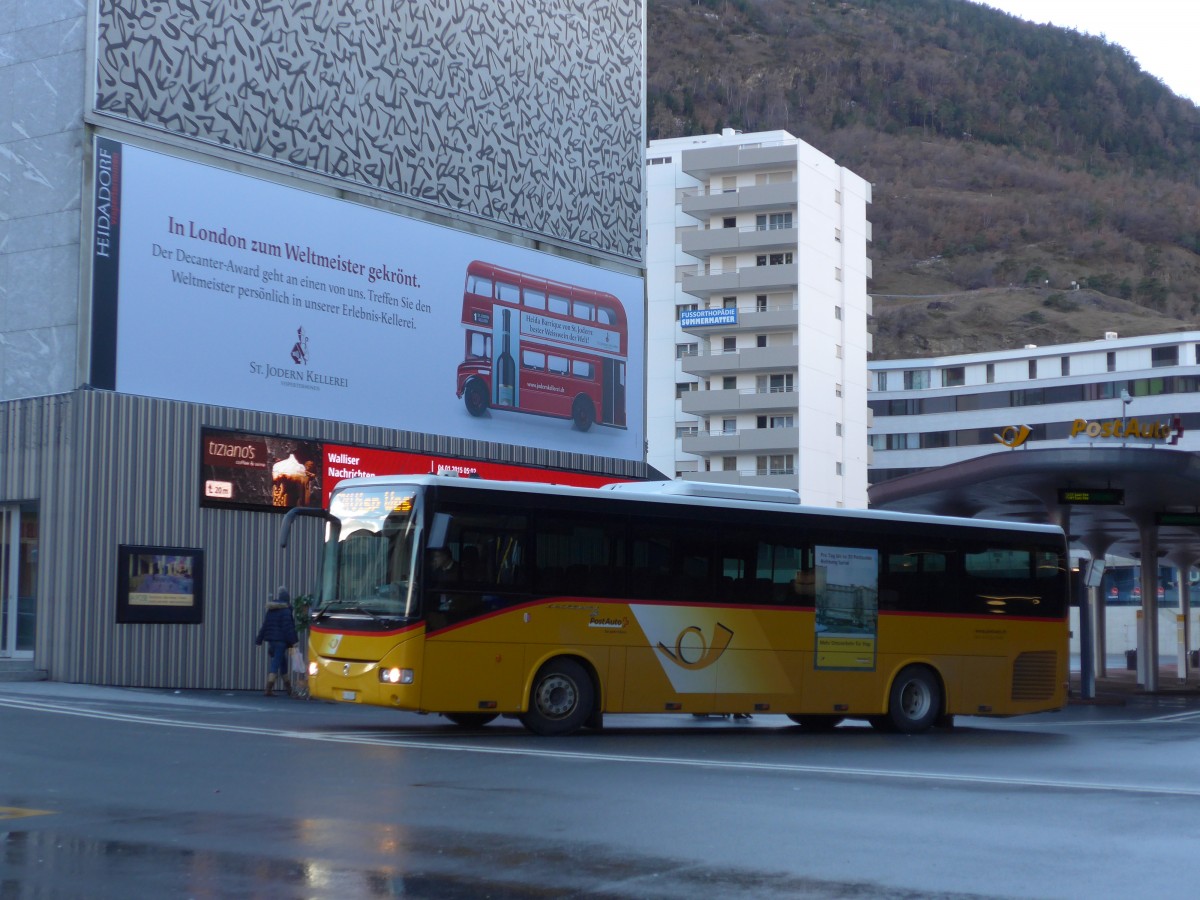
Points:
(757, 271)
(228, 229)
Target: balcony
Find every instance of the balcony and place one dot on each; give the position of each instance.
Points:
(724, 241)
(749, 279)
(703, 163)
(704, 204)
(750, 359)
(751, 321)
(755, 440)
(706, 403)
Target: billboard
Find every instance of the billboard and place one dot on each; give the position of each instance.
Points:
(273, 473)
(215, 287)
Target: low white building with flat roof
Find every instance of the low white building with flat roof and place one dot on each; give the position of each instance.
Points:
(1135, 391)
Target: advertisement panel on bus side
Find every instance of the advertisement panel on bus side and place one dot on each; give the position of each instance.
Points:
(232, 290)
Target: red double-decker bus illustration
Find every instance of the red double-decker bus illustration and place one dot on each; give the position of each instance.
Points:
(540, 346)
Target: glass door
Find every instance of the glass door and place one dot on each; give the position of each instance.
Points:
(18, 581)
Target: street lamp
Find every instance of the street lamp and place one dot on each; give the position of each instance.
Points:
(1125, 401)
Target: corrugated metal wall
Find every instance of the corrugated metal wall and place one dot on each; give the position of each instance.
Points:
(108, 469)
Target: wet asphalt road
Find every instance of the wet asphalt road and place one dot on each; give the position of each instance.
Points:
(110, 792)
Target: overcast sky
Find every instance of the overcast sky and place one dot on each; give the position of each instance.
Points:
(1161, 34)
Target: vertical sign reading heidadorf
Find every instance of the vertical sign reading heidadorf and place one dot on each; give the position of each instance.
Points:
(106, 241)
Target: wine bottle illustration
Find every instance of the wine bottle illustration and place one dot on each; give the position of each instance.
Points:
(506, 366)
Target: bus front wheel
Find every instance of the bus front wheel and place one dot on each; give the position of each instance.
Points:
(475, 396)
(561, 700)
(915, 700)
(470, 720)
(583, 413)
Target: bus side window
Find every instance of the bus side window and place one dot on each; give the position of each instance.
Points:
(509, 293)
(477, 284)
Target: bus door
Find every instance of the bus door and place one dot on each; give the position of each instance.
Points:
(612, 399)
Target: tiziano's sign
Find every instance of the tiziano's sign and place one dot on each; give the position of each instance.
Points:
(1133, 429)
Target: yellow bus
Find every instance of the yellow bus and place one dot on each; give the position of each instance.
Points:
(557, 604)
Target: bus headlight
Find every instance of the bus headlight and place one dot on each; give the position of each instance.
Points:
(312, 669)
(396, 676)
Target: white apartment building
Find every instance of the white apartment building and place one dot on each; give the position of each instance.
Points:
(757, 341)
(936, 411)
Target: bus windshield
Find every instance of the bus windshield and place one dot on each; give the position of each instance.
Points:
(369, 552)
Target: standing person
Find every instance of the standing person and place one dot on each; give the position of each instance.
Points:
(278, 629)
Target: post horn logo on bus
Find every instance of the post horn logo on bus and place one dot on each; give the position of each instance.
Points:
(693, 652)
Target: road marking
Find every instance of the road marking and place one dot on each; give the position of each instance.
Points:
(410, 741)
(16, 812)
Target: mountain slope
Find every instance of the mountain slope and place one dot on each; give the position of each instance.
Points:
(1001, 153)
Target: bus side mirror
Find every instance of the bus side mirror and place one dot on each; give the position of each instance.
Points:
(286, 527)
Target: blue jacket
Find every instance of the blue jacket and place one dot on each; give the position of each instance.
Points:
(277, 625)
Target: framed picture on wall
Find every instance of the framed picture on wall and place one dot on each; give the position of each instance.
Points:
(160, 585)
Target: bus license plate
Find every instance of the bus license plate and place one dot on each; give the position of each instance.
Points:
(349, 695)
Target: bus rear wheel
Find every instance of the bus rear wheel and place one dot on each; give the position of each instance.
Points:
(470, 720)
(915, 700)
(583, 413)
(561, 700)
(475, 396)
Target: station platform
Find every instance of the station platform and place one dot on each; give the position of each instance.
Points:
(1119, 682)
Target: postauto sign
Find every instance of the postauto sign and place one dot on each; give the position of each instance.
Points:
(1167, 430)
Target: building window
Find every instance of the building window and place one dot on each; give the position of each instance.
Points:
(837, 313)
(954, 376)
(760, 340)
(729, 222)
(729, 184)
(684, 387)
(773, 259)
(837, 468)
(729, 383)
(729, 302)
(729, 345)
(881, 381)
(916, 379)
(1065, 365)
(837, 351)
(782, 383)
(837, 196)
(781, 464)
(682, 350)
(1111, 361)
(1033, 368)
(760, 305)
(837, 274)
(781, 422)
(1163, 356)
(837, 235)
(682, 308)
(773, 221)
(991, 373)
(1198, 354)
(729, 463)
(729, 426)
(837, 429)
(685, 430)
(837, 390)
